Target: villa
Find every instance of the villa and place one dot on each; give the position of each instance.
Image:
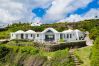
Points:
(49, 34)
(36, 24)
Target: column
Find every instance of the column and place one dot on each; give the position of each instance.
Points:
(55, 37)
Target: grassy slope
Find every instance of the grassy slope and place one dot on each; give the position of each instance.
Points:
(5, 34)
(12, 54)
(84, 55)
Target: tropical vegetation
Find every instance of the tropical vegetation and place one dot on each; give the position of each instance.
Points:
(24, 53)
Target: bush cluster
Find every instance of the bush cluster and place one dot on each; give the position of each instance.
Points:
(95, 53)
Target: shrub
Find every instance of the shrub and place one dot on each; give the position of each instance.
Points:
(94, 33)
(3, 52)
(29, 50)
(95, 53)
(61, 40)
(60, 58)
(60, 54)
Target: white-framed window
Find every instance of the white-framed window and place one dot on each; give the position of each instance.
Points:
(31, 35)
(70, 35)
(37, 35)
(26, 35)
(67, 35)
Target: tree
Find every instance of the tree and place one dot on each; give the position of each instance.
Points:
(94, 33)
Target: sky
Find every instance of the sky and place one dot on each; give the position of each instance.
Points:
(47, 11)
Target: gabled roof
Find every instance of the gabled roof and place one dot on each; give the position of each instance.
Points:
(20, 31)
(52, 29)
(30, 31)
(69, 30)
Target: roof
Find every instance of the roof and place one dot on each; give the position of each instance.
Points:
(30, 31)
(36, 24)
(52, 29)
(19, 31)
(77, 30)
(69, 30)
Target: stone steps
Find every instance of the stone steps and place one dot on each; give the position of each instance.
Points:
(75, 59)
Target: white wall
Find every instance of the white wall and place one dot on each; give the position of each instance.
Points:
(57, 37)
(13, 36)
(38, 37)
(28, 36)
(69, 38)
(18, 36)
(75, 36)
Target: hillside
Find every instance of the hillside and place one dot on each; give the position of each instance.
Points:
(14, 54)
(87, 25)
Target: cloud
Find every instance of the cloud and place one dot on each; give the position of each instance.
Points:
(72, 18)
(37, 19)
(91, 14)
(57, 10)
(10, 11)
(60, 8)
(21, 10)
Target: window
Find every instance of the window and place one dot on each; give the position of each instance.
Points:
(31, 35)
(61, 36)
(16, 36)
(70, 35)
(26, 35)
(50, 36)
(37, 35)
(79, 38)
(12, 34)
(67, 35)
(64, 35)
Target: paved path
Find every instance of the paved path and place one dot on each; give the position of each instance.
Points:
(75, 59)
(89, 42)
(4, 40)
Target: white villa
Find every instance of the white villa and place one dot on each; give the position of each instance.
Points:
(36, 24)
(49, 34)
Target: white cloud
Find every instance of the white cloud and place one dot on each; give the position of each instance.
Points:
(10, 11)
(38, 20)
(79, 3)
(92, 13)
(72, 18)
(60, 8)
(57, 9)
(21, 10)
(75, 17)
(5, 16)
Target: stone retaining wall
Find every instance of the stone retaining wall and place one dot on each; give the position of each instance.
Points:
(54, 47)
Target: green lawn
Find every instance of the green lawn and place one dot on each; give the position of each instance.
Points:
(84, 55)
